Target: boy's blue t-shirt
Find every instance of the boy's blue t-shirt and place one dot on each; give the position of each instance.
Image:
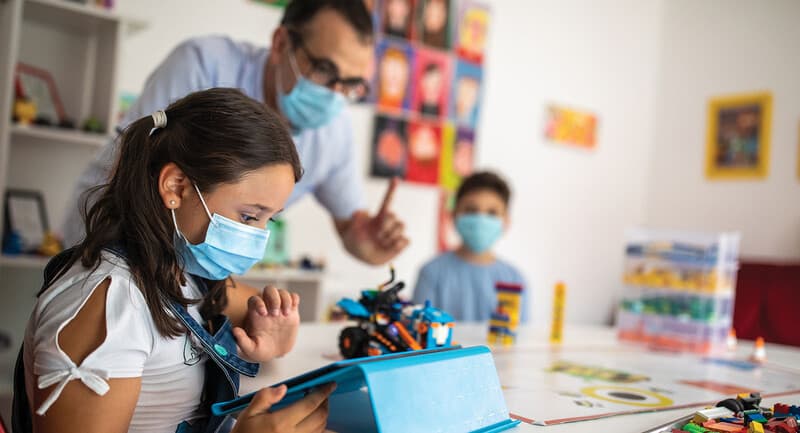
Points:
(465, 290)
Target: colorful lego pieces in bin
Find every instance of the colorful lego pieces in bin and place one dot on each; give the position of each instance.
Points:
(743, 414)
(712, 413)
(504, 320)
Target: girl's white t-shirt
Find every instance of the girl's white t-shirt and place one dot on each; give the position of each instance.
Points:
(171, 369)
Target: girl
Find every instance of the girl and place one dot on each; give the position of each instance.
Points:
(137, 327)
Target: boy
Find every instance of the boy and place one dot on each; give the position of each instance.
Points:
(462, 282)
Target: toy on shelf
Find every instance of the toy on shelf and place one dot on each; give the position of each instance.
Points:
(387, 324)
(504, 320)
(50, 246)
(742, 414)
(679, 289)
(92, 124)
(24, 111)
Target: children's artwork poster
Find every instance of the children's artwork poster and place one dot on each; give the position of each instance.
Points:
(434, 23)
(569, 126)
(447, 237)
(581, 385)
(424, 151)
(471, 31)
(397, 18)
(393, 75)
(427, 89)
(466, 93)
(432, 71)
(738, 136)
(390, 147)
(458, 150)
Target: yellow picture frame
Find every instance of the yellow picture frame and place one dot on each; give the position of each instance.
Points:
(738, 136)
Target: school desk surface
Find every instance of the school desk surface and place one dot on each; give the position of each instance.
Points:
(317, 346)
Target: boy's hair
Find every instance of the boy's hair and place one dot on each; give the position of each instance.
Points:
(215, 137)
(484, 180)
(300, 12)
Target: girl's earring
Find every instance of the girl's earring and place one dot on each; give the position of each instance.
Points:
(172, 202)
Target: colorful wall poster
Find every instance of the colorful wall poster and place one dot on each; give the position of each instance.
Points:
(397, 18)
(569, 126)
(432, 72)
(472, 28)
(424, 150)
(390, 147)
(458, 150)
(434, 23)
(738, 136)
(394, 62)
(466, 96)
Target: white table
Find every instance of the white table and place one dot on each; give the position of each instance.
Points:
(317, 339)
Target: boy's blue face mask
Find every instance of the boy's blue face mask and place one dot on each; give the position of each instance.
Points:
(308, 105)
(479, 231)
(230, 247)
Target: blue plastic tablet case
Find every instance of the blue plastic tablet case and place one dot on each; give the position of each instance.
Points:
(442, 390)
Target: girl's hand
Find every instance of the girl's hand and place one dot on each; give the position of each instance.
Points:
(270, 327)
(309, 415)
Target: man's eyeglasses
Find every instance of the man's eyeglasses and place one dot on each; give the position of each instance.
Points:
(325, 73)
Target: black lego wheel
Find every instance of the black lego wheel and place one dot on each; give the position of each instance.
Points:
(353, 342)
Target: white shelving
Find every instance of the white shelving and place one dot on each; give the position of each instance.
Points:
(48, 135)
(24, 261)
(78, 45)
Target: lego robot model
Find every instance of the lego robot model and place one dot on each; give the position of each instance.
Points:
(385, 324)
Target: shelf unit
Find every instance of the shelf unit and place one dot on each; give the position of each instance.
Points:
(78, 45)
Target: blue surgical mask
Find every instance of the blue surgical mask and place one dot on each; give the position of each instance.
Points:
(230, 247)
(479, 231)
(308, 105)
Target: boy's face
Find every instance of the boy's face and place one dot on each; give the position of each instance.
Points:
(483, 201)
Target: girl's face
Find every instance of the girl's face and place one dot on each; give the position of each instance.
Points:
(253, 200)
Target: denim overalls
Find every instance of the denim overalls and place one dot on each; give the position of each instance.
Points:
(222, 370)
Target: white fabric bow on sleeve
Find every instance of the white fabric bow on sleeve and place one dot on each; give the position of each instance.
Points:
(94, 379)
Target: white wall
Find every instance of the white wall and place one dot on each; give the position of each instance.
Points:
(570, 207)
(721, 47)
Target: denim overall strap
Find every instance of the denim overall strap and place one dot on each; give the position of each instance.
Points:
(221, 347)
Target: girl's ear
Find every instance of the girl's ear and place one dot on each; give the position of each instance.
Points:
(172, 185)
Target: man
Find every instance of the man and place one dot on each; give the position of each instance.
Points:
(319, 58)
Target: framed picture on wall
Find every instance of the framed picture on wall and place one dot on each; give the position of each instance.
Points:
(738, 136)
(25, 221)
(38, 85)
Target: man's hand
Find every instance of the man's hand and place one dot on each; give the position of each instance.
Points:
(374, 239)
(270, 326)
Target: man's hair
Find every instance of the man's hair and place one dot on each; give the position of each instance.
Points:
(300, 12)
(484, 180)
